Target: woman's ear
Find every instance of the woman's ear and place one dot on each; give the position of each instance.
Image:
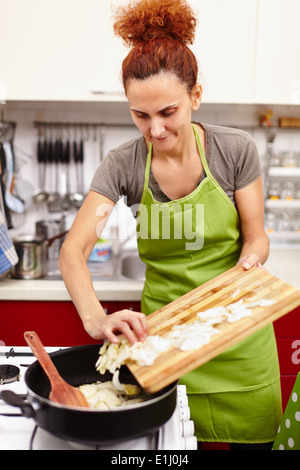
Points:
(196, 97)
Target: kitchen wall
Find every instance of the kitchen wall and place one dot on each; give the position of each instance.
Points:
(109, 135)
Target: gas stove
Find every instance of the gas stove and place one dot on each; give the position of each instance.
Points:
(20, 433)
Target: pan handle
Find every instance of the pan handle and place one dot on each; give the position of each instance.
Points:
(13, 399)
(49, 241)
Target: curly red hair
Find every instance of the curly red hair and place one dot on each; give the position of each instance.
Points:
(158, 32)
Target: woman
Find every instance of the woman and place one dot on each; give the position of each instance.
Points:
(199, 192)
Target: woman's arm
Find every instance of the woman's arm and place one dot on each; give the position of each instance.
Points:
(250, 205)
(86, 229)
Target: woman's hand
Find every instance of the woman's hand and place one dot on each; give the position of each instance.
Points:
(251, 260)
(131, 324)
(250, 205)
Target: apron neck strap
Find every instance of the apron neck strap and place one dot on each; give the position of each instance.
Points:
(201, 152)
(200, 149)
(148, 165)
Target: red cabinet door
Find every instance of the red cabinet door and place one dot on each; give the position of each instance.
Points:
(57, 323)
(287, 331)
(288, 326)
(289, 355)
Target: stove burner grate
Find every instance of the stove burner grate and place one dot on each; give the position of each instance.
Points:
(9, 373)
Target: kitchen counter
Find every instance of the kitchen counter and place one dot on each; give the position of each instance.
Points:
(283, 263)
(44, 289)
(113, 280)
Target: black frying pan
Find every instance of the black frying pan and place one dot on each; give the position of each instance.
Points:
(89, 426)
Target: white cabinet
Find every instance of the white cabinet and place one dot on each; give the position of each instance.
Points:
(277, 77)
(58, 50)
(225, 49)
(248, 51)
(63, 50)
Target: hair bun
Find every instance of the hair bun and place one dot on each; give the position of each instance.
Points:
(145, 20)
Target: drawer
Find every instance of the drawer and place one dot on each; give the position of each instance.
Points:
(134, 305)
(57, 323)
(289, 355)
(288, 326)
(287, 385)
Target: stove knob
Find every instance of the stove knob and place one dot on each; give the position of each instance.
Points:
(181, 390)
(184, 413)
(183, 401)
(191, 443)
(188, 428)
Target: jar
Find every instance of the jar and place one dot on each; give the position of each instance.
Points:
(296, 222)
(289, 159)
(274, 189)
(284, 222)
(288, 190)
(274, 160)
(270, 222)
(297, 190)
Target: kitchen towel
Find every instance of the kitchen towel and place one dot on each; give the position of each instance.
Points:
(288, 435)
(8, 255)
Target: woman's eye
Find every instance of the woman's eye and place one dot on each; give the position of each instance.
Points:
(162, 113)
(168, 113)
(141, 116)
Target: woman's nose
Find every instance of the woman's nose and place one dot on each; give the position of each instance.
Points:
(157, 128)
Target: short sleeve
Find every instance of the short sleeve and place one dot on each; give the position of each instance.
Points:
(248, 165)
(110, 177)
(121, 173)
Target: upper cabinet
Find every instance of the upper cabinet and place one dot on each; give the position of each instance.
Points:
(248, 51)
(59, 50)
(277, 76)
(225, 49)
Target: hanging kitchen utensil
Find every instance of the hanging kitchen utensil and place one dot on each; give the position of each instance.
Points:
(3, 187)
(61, 391)
(78, 197)
(23, 189)
(12, 201)
(54, 202)
(40, 194)
(80, 161)
(100, 144)
(49, 150)
(49, 159)
(66, 162)
(2, 207)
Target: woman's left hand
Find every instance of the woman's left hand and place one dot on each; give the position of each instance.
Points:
(251, 260)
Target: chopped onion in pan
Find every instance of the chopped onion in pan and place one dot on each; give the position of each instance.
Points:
(105, 396)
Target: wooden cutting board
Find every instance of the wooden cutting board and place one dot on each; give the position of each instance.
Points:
(229, 287)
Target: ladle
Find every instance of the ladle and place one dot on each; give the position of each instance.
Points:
(13, 202)
(77, 198)
(40, 194)
(61, 391)
(55, 200)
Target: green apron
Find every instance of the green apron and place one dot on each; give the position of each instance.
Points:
(186, 242)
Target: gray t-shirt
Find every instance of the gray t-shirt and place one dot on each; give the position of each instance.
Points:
(231, 155)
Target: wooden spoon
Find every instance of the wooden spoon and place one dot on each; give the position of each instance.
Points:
(61, 391)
